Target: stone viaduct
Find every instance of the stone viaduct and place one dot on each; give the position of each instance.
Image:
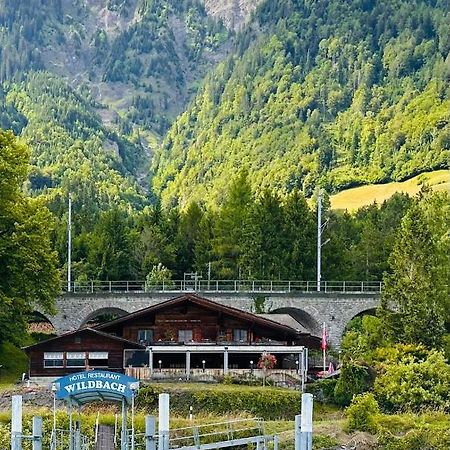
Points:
(310, 309)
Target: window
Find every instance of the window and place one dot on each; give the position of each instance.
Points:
(239, 335)
(98, 359)
(145, 336)
(75, 359)
(53, 359)
(184, 335)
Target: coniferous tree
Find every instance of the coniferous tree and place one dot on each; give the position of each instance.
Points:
(110, 248)
(228, 242)
(416, 287)
(299, 233)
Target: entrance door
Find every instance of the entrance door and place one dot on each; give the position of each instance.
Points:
(105, 438)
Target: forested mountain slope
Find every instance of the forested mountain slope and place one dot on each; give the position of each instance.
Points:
(333, 92)
(139, 58)
(93, 85)
(234, 13)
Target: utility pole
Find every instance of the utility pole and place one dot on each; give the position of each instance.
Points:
(320, 227)
(69, 246)
(319, 237)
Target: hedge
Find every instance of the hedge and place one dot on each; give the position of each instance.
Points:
(265, 402)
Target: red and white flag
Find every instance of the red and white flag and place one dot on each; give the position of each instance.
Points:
(324, 343)
(331, 368)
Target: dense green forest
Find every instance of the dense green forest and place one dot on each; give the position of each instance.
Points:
(92, 86)
(336, 93)
(332, 92)
(139, 58)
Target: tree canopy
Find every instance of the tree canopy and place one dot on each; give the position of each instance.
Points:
(29, 278)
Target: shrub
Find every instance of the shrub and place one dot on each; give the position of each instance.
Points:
(323, 390)
(158, 276)
(412, 431)
(324, 442)
(446, 346)
(355, 379)
(268, 403)
(361, 414)
(415, 384)
(418, 439)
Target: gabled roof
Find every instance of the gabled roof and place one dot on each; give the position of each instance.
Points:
(83, 330)
(208, 304)
(285, 319)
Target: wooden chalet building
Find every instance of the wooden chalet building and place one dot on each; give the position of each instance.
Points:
(184, 334)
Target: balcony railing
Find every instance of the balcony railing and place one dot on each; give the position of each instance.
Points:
(225, 286)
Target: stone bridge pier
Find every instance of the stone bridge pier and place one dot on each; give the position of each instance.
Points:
(309, 309)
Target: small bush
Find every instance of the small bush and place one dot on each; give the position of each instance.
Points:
(324, 442)
(323, 390)
(361, 414)
(355, 379)
(418, 439)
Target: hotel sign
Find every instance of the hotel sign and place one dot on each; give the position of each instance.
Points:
(94, 385)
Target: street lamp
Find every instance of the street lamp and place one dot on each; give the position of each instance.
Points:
(297, 366)
(160, 365)
(203, 364)
(251, 367)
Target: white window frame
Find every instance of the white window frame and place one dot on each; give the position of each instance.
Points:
(53, 356)
(98, 355)
(70, 356)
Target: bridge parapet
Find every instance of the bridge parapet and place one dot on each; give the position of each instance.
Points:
(226, 286)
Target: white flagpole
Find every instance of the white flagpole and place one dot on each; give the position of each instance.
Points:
(324, 346)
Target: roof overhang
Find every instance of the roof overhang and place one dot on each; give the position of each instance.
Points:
(226, 348)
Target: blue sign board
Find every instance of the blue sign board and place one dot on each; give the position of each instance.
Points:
(95, 385)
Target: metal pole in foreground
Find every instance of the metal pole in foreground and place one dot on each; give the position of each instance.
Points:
(150, 443)
(16, 423)
(163, 432)
(69, 246)
(70, 427)
(297, 432)
(123, 436)
(37, 433)
(306, 422)
(132, 419)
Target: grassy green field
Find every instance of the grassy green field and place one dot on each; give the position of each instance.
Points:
(352, 199)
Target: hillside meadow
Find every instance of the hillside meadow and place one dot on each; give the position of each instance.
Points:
(355, 198)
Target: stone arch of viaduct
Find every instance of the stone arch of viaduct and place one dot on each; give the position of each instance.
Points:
(311, 310)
